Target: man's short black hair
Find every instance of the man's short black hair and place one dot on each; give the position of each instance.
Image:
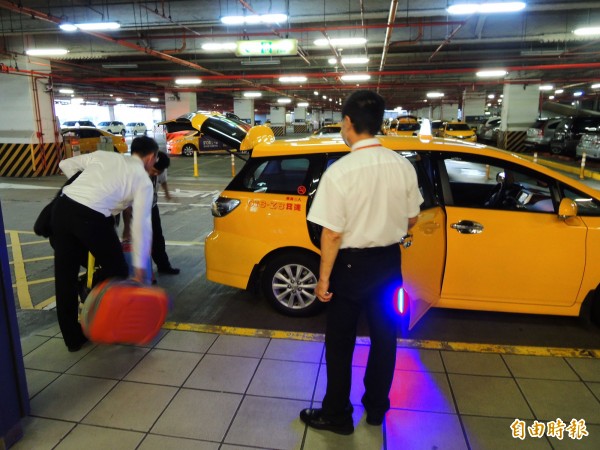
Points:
(365, 109)
(143, 145)
(162, 161)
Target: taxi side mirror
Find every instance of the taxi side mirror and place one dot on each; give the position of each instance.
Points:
(567, 209)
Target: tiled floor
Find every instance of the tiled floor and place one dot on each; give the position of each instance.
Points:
(191, 390)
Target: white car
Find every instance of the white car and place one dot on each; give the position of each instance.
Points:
(136, 128)
(113, 126)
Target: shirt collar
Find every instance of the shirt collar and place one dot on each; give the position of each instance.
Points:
(371, 142)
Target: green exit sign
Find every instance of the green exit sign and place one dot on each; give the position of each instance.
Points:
(263, 47)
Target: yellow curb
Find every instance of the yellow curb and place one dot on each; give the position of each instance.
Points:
(403, 343)
(563, 167)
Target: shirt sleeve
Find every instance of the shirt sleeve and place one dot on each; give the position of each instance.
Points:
(71, 166)
(141, 223)
(414, 194)
(327, 208)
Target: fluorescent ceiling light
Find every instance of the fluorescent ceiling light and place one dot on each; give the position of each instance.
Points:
(120, 66)
(340, 41)
(303, 104)
(76, 101)
(293, 79)
(492, 73)
(551, 97)
(46, 51)
(587, 31)
(260, 62)
(154, 99)
(254, 19)
(284, 100)
(492, 96)
(188, 81)
(66, 91)
(435, 94)
(316, 92)
(355, 77)
(350, 60)
(90, 26)
(252, 94)
(577, 94)
(559, 91)
(546, 87)
(217, 46)
(119, 99)
(596, 86)
(485, 8)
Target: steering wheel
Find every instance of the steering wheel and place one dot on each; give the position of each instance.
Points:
(496, 196)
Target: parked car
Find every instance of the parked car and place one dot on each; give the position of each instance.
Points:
(88, 138)
(540, 134)
(113, 126)
(458, 130)
(78, 123)
(485, 210)
(136, 128)
(590, 145)
(332, 129)
(183, 143)
(403, 126)
(485, 130)
(437, 127)
(569, 131)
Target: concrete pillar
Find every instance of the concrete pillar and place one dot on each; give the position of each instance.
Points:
(300, 125)
(519, 110)
(30, 140)
(244, 109)
(278, 120)
(179, 103)
(473, 104)
(111, 112)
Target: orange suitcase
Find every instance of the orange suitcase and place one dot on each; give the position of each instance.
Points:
(124, 311)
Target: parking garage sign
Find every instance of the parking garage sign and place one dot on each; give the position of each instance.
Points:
(265, 47)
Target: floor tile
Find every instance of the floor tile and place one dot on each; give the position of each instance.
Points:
(70, 397)
(198, 415)
(585, 443)
(131, 406)
(42, 434)
(96, 438)
(475, 363)
(253, 347)
(588, 369)
(289, 350)
(32, 342)
(566, 400)
(419, 360)
(54, 356)
(421, 391)
(492, 433)
(360, 356)
(356, 391)
(416, 430)
(489, 396)
(187, 341)
(164, 367)
(223, 373)
(52, 330)
(156, 339)
(546, 367)
(109, 361)
(267, 423)
(156, 442)
(595, 388)
(38, 380)
(284, 379)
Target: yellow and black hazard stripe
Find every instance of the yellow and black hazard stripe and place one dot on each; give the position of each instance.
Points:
(29, 160)
(512, 140)
(278, 131)
(301, 128)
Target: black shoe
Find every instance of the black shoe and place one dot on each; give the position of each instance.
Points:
(169, 270)
(77, 347)
(375, 419)
(314, 418)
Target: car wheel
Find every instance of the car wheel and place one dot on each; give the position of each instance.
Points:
(556, 150)
(135, 133)
(595, 309)
(289, 281)
(116, 150)
(123, 132)
(188, 150)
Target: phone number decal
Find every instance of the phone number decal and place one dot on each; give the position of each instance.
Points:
(288, 205)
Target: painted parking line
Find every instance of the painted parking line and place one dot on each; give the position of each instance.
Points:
(594, 175)
(23, 294)
(404, 343)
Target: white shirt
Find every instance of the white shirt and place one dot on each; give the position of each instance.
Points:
(367, 196)
(109, 183)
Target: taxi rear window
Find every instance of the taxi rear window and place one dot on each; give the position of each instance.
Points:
(274, 175)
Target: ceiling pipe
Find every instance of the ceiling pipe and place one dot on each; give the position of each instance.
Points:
(410, 41)
(388, 36)
(448, 39)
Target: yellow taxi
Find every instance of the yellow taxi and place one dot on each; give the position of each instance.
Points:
(496, 232)
(328, 130)
(89, 138)
(403, 126)
(458, 130)
(183, 143)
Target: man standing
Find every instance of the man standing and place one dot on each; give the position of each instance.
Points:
(82, 220)
(366, 202)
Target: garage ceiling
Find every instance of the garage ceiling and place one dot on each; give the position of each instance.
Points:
(413, 47)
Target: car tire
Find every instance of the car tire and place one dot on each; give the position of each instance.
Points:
(135, 133)
(595, 308)
(116, 150)
(289, 281)
(123, 132)
(556, 150)
(188, 150)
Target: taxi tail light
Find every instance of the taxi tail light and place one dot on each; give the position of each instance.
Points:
(222, 206)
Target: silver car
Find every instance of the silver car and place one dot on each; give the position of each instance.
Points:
(540, 134)
(590, 145)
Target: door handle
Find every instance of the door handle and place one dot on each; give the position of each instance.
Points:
(467, 227)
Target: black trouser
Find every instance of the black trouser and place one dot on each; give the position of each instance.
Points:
(159, 251)
(361, 279)
(77, 229)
